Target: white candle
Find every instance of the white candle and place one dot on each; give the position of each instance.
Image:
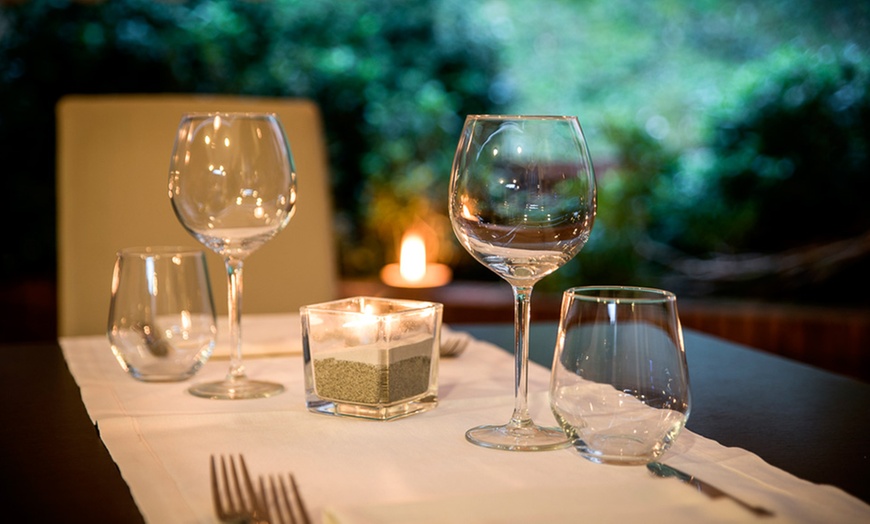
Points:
(413, 271)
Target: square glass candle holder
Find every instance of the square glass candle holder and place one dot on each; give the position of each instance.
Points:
(373, 358)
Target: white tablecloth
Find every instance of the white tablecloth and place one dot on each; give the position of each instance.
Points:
(416, 469)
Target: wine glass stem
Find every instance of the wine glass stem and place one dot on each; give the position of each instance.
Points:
(522, 318)
(234, 303)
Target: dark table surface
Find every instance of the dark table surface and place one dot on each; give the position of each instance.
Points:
(809, 422)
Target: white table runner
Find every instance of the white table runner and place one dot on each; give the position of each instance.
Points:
(417, 469)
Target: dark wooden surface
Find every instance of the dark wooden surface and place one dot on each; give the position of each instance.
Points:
(55, 468)
(809, 422)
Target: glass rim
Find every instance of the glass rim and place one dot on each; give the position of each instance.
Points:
(520, 117)
(158, 251)
(620, 294)
(410, 306)
(252, 115)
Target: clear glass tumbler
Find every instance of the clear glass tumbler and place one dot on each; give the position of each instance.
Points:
(620, 384)
(161, 319)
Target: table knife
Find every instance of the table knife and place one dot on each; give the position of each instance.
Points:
(663, 470)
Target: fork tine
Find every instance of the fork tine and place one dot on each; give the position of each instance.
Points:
(215, 491)
(267, 513)
(303, 511)
(258, 503)
(287, 503)
(287, 507)
(236, 486)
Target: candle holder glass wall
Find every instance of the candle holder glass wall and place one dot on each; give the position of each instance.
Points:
(372, 358)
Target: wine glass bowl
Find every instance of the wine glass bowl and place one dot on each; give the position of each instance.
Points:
(232, 184)
(522, 203)
(524, 199)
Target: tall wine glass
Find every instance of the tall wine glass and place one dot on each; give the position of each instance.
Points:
(522, 202)
(232, 184)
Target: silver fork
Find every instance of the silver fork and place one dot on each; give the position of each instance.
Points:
(231, 504)
(454, 344)
(277, 497)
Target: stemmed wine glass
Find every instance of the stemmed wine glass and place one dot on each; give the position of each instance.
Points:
(522, 202)
(232, 184)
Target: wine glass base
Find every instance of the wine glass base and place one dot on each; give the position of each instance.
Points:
(237, 389)
(513, 438)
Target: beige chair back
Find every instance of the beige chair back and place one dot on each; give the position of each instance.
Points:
(112, 193)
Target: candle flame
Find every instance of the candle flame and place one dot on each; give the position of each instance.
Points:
(412, 259)
(369, 317)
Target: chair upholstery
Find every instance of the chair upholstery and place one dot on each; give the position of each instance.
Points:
(112, 193)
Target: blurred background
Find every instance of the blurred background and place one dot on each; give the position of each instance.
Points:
(731, 138)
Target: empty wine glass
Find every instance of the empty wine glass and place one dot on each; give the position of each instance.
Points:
(522, 202)
(232, 184)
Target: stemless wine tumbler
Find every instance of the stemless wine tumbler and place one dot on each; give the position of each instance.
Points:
(620, 385)
(161, 318)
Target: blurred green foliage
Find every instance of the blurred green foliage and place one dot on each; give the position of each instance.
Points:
(394, 81)
(717, 127)
(786, 164)
(659, 87)
(783, 165)
(659, 65)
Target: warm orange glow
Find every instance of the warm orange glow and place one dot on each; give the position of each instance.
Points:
(467, 213)
(412, 260)
(413, 270)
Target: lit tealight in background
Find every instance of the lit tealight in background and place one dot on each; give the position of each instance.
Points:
(413, 269)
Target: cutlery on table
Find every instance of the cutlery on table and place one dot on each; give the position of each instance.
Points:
(236, 499)
(454, 344)
(663, 470)
(281, 503)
